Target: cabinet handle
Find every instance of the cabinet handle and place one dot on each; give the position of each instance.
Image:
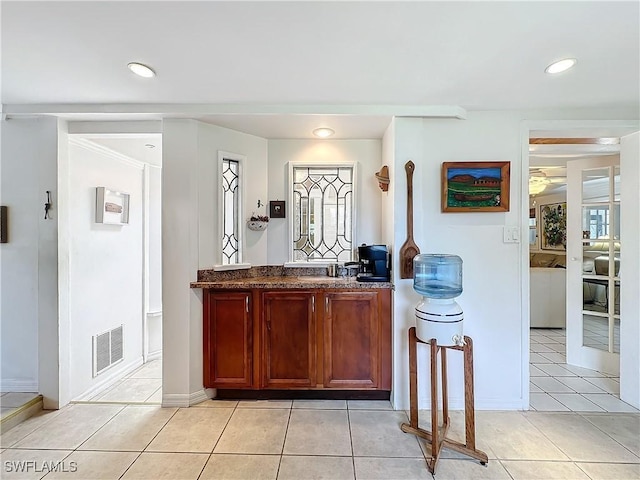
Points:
(313, 303)
(326, 304)
(246, 302)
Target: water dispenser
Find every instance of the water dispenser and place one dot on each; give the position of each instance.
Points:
(438, 278)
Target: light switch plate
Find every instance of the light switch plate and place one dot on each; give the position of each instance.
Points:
(511, 234)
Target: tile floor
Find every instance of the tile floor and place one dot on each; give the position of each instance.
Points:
(310, 440)
(143, 386)
(559, 387)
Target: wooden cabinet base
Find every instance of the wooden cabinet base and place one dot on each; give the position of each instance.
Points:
(323, 394)
(298, 340)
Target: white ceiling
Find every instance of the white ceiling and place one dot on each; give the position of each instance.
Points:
(476, 55)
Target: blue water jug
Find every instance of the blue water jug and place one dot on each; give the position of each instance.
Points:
(437, 275)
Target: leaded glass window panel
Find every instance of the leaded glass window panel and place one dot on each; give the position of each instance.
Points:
(230, 211)
(323, 213)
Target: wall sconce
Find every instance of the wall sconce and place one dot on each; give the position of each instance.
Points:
(383, 178)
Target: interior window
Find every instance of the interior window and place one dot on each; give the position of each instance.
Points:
(322, 220)
(230, 188)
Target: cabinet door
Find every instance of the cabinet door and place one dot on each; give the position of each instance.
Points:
(227, 340)
(352, 353)
(289, 346)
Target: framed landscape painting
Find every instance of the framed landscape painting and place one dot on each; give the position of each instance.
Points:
(475, 186)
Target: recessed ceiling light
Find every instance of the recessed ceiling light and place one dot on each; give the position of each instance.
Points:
(323, 132)
(561, 65)
(150, 145)
(141, 69)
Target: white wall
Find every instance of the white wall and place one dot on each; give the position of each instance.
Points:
(491, 299)
(630, 286)
(367, 154)
(212, 139)
(153, 267)
(190, 240)
(28, 263)
(105, 264)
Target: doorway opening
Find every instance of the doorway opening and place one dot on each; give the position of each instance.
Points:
(555, 384)
(112, 232)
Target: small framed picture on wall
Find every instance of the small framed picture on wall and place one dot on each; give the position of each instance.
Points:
(277, 209)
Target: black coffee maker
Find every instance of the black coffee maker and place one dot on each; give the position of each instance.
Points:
(374, 263)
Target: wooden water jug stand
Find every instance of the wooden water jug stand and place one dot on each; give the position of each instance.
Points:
(437, 437)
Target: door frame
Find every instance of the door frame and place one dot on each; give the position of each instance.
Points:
(527, 126)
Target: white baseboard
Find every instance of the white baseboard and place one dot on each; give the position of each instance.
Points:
(154, 355)
(184, 399)
(457, 403)
(112, 376)
(16, 385)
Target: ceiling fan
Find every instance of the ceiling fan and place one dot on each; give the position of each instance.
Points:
(541, 177)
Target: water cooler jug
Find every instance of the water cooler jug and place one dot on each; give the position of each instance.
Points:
(438, 278)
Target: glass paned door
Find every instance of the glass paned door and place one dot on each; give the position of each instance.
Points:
(593, 270)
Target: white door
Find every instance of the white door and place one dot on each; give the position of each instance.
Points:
(593, 251)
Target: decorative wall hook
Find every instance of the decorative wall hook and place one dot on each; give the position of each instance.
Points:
(260, 203)
(47, 206)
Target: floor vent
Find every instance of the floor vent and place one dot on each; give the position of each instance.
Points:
(107, 350)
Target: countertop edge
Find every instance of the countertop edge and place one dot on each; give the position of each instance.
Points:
(298, 284)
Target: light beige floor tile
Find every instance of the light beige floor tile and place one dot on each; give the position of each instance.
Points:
(624, 428)
(534, 389)
(241, 467)
(318, 432)
(257, 431)
(583, 372)
(555, 370)
(30, 464)
(95, 465)
(213, 403)
(265, 403)
(5, 412)
(16, 399)
(131, 430)
(544, 402)
(551, 385)
(580, 385)
(70, 428)
(611, 471)
(377, 434)
(576, 402)
(540, 348)
(373, 468)
(579, 439)
(534, 371)
(170, 466)
(23, 429)
(554, 357)
(191, 430)
(609, 385)
(466, 469)
(610, 403)
(316, 468)
(156, 397)
(544, 470)
(321, 404)
(535, 358)
(369, 405)
(152, 369)
(131, 390)
(510, 435)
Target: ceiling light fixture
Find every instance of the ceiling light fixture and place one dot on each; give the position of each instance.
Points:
(561, 65)
(141, 70)
(323, 132)
(150, 145)
(537, 185)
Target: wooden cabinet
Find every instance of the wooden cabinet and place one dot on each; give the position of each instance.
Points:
(289, 339)
(298, 339)
(227, 334)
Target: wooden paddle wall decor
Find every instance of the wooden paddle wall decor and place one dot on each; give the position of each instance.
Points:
(409, 248)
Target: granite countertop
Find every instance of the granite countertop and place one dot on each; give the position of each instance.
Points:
(279, 277)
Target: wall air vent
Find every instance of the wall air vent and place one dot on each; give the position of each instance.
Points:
(107, 350)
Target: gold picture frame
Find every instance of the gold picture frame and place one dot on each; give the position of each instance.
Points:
(475, 186)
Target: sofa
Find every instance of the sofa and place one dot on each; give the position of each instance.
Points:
(548, 290)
